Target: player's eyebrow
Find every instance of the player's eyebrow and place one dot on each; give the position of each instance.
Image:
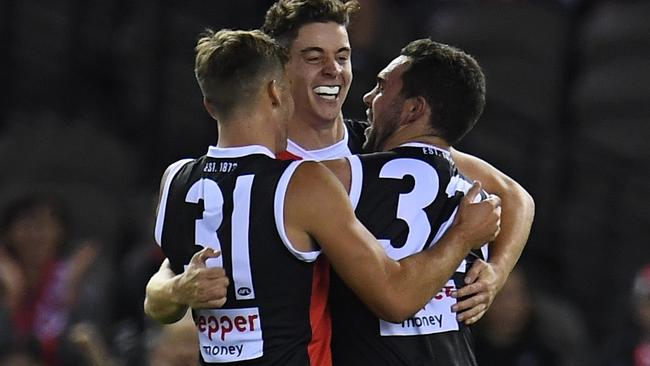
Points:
(312, 49)
(320, 49)
(344, 49)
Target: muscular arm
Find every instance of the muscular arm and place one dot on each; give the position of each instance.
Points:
(341, 170)
(518, 210)
(159, 302)
(317, 209)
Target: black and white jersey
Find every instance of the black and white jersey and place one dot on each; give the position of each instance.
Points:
(356, 131)
(407, 198)
(232, 200)
(351, 143)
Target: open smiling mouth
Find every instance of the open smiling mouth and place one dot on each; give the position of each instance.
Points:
(327, 92)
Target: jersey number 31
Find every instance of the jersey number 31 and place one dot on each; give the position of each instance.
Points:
(207, 226)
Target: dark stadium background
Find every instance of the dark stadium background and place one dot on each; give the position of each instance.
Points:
(98, 97)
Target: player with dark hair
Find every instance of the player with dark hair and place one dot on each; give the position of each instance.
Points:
(425, 101)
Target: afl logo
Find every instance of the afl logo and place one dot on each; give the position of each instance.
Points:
(244, 291)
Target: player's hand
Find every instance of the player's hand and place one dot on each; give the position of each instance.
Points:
(483, 283)
(202, 287)
(480, 221)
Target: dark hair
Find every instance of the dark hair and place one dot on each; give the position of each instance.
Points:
(451, 82)
(231, 65)
(27, 205)
(285, 17)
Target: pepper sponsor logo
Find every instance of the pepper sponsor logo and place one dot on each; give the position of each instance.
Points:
(228, 335)
(223, 325)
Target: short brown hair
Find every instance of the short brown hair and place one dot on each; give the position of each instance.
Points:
(452, 83)
(285, 17)
(231, 64)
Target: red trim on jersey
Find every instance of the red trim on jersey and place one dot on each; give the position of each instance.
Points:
(319, 315)
(319, 349)
(285, 155)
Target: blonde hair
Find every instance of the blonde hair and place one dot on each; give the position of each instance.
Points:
(231, 65)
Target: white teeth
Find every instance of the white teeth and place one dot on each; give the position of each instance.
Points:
(327, 92)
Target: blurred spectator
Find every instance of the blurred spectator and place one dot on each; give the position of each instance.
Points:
(523, 328)
(175, 344)
(138, 264)
(90, 343)
(19, 357)
(631, 346)
(40, 286)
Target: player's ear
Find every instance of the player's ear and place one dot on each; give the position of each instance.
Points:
(274, 93)
(414, 109)
(208, 107)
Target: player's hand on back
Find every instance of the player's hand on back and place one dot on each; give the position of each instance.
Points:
(479, 222)
(202, 287)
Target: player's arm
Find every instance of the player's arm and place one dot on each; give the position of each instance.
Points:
(160, 303)
(318, 209)
(518, 209)
(168, 295)
(341, 170)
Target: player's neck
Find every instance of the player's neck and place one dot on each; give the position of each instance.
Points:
(429, 139)
(316, 134)
(250, 131)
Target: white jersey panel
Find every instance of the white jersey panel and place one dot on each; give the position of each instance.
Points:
(162, 204)
(280, 195)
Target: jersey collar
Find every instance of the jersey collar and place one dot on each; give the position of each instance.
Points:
(338, 150)
(237, 152)
(444, 152)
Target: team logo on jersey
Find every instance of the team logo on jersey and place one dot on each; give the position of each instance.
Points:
(229, 335)
(244, 291)
(435, 317)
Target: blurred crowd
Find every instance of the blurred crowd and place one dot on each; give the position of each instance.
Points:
(98, 97)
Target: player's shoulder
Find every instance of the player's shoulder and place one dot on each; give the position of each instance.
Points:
(356, 125)
(174, 168)
(313, 178)
(177, 165)
(380, 156)
(312, 185)
(309, 170)
(356, 129)
(356, 134)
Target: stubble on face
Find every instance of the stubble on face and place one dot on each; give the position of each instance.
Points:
(385, 104)
(383, 126)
